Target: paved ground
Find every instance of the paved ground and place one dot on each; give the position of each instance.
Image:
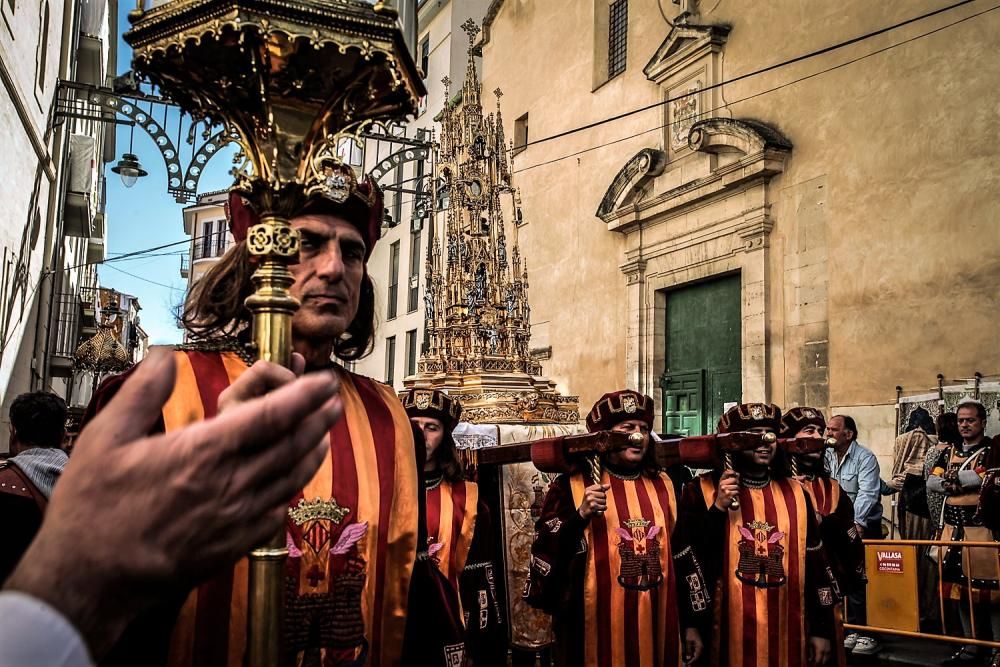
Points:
(904, 651)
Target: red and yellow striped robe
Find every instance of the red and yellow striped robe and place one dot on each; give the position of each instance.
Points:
(826, 498)
(451, 523)
(824, 493)
(762, 626)
(352, 534)
(625, 626)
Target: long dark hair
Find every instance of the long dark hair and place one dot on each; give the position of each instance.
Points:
(216, 306)
(947, 429)
(446, 458)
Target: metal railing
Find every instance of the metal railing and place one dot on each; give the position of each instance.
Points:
(215, 248)
(967, 596)
(67, 324)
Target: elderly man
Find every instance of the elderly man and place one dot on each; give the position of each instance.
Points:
(856, 469)
(352, 530)
(610, 561)
(37, 431)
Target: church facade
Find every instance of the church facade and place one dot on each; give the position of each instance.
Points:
(812, 233)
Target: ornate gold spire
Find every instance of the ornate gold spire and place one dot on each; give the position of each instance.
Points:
(477, 315)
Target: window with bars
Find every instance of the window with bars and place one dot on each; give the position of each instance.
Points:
(393, 280)
(617, 37)
(411, 352)
(425, 54)
(206, 240)
(220, 238)
(413, 295)
(390, 360)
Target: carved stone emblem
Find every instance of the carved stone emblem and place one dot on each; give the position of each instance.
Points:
(684, 112)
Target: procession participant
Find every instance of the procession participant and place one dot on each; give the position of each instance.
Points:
(610, 561)
(458, 531)
(352, 530)
(763, 558)
(834, 510)
(82, 581)
(970, 572)
(37, 432)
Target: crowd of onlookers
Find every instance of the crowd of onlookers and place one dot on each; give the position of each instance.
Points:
(943, 475)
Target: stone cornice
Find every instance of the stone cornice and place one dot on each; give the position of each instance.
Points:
(631, 178)
(763, 153)
(491, 14)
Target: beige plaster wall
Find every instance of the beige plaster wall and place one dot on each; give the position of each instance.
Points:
(577, 289)
(885, 252)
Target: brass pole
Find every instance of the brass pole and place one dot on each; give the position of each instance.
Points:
(595, 469)
(727, 460)
(276, 244)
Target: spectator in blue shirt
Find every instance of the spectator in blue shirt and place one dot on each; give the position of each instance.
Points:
(857, 471)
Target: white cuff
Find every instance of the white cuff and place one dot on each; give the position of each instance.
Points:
(33, 633)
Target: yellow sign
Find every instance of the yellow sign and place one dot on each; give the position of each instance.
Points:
(892, 587)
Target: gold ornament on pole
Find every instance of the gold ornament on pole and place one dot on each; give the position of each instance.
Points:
(294, 78)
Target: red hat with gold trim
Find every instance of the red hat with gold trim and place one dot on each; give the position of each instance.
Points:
(746, 416)
(432, 403)
(797, 419)
(360, 204)
(618, 406)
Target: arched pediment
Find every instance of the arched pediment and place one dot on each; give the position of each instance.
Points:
(645, 165)
(684, 44)
(726, 135)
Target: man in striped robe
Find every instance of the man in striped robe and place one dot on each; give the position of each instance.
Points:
(844, 550)
(352, 531)
(459, 539)
(610, 561)
(763, 558)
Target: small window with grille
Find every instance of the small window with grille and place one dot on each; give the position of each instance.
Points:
(617, 37)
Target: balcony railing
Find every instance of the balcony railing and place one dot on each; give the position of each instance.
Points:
(216, 248)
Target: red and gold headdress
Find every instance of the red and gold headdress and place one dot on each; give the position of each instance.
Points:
(358, 203)
(746, 416)
(797, 419)
(432, 403)
(618, 406)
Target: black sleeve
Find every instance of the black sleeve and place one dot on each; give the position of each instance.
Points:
(485, 630)
(820, 585)
(21, 520)
(559, 540)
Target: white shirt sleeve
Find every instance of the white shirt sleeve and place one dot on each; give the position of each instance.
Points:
(32, 633)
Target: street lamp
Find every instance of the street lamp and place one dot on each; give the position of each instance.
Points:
(129, 169)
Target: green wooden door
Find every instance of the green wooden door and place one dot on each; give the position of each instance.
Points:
(703, 369)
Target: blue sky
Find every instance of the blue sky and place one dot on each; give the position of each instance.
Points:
(145, 216)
